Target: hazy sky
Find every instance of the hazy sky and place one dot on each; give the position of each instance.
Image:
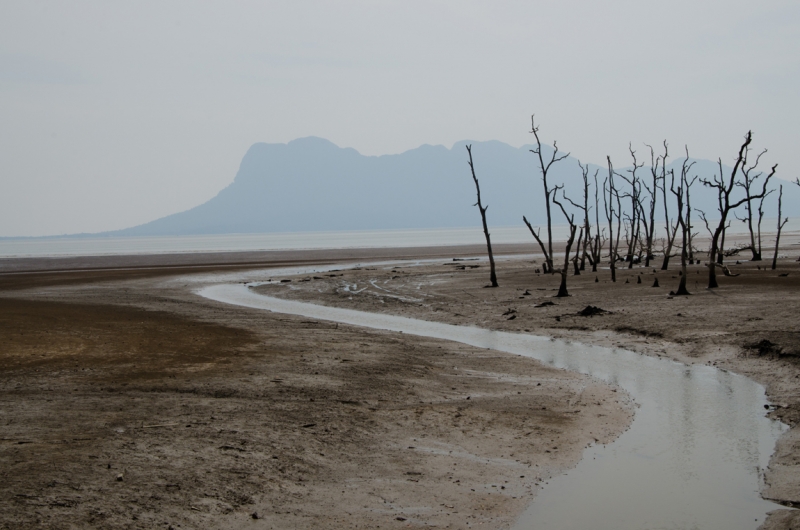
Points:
(116, 113)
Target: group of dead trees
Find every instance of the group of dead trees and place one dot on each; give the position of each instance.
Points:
(629, 201)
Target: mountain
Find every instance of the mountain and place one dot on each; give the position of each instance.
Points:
(310, 184)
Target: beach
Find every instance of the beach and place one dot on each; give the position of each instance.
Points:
(130, 401)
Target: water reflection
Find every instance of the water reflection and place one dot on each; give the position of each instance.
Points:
(691, 459)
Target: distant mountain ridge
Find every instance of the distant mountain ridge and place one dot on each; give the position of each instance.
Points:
(310, 184)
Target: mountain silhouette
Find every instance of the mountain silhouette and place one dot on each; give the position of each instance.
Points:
(310, 184)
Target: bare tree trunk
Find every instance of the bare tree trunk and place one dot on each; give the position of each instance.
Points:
(547, 260)
(545, 167)
(562, 289)
(721, 255)
(682, 193)
(689, 218)
(492, 275)
(761, 218)
(586, 225)
(609, 208)
(724, 188)
(780, 227)
(754, 251)
(684, 257)
(596, 245)
(577, 254)
(651, 228)
(634, 241)
(585, 249)
(748, 182)
(670, 244)
(635, 198)
(667, 223)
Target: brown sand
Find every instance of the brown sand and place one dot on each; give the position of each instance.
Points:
(127, 401)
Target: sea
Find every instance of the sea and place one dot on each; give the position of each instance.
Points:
(427, 237)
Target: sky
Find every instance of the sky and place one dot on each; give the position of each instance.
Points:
(113, 114)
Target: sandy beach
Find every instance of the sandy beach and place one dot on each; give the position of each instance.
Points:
(128, 401)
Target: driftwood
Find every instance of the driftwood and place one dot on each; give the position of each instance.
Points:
(735, 250)
(725, 270)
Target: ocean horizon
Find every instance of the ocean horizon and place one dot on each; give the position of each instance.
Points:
(61, 246)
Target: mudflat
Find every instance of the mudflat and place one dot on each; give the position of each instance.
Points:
(126, 400)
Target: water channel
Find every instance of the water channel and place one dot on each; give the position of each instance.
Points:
(693, 457)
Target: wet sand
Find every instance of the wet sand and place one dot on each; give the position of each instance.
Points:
(128, 401)
(749, 325)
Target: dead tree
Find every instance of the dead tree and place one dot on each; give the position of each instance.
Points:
(535, 233)
(576, 267)
(668, 224)
(687, 188)
(634, 196)
(650, 227)
(582, 251)
(720, 203)
(761, 218)
(780, 227)
(681, 195)
(724, 189)
(748, 181)
(689, 235)
(482, 208)
(548, 193)
(562, 289)
(610, 194)
(587, 227)
(596, 245)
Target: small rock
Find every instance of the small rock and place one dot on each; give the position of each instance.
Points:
(591, 310)
(119, 477)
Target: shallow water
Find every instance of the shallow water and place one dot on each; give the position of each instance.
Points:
(693, 457)
(422, 237)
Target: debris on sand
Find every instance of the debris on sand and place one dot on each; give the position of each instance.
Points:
(764, 347)
(590, 311)
(544, 304)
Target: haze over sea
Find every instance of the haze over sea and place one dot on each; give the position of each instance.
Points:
(431, 237)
